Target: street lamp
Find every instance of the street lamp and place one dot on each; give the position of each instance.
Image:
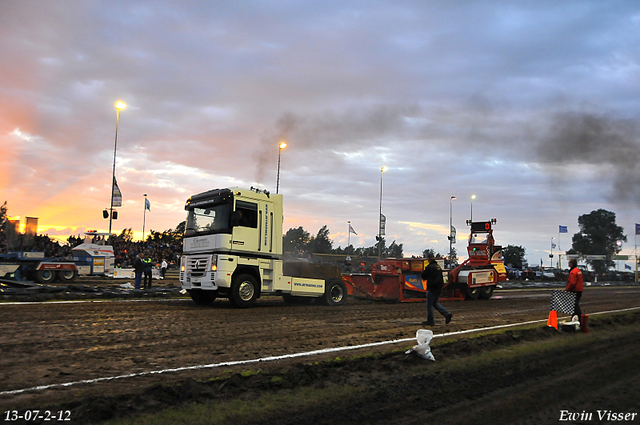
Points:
(472, 198)
(451, 230)
(281, 146)
(382, 170)
(119, 106)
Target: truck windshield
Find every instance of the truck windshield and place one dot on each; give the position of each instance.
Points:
(208, 219)
(479, 238)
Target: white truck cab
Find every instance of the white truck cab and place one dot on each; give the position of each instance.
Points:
(233, 246)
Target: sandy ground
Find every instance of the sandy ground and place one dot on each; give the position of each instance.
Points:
(55, 343)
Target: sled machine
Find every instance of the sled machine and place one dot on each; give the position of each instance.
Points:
(398, 280)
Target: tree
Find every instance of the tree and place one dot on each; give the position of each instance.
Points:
(514, 255)
(394, 251)
(181, 227)
(168, 236)
(296, 240)
(321, 243)
(598, 235)
(125, 236)
(429, 251)
(449, 262)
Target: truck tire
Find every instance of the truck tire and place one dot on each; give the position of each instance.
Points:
(335, 293)
(486, 292)
(472, 293)
(67, 276)
(201, 297)
(45, 276)
(244, 291)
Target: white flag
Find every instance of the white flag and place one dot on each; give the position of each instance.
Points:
(351, 230)
(147, 204)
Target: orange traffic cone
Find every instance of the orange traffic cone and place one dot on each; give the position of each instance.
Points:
(552, 322)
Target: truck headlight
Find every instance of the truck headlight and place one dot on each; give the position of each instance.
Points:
(214, 263)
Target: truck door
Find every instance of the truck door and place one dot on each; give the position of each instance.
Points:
(246, 235)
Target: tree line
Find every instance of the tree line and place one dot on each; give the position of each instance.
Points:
(297, 241)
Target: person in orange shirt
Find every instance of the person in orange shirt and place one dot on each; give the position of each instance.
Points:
(574, 284)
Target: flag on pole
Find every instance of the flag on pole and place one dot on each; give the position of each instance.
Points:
(351, 230)
(147, 204)
(627, 267)
(637, 229)
(117, 195)
(563, 229)
(553, 245)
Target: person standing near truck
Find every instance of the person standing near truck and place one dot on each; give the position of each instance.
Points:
(433, 275)
(574, 284)
(138, 267)
(147, 272)
(163, 268)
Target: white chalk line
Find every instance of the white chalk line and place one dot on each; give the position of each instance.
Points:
(92, 301)
(282, 357)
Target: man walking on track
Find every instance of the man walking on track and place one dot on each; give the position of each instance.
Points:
(433, 275)
(574, 284)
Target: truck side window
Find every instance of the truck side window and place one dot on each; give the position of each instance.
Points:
(248, 212)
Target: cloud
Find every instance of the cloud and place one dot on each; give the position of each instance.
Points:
(604, 144)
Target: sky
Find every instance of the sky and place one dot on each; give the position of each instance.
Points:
(533, 107)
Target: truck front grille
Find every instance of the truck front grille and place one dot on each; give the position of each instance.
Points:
(197, 266)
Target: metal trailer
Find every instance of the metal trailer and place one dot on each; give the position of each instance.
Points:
(398, 280)
(27, 265)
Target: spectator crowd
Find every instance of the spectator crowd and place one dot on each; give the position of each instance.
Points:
(125, 251)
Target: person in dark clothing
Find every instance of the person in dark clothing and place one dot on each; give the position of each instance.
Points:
(147, 272)
(433, 275)
(138, 267)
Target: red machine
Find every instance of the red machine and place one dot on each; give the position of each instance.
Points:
(398, 280)
(479, 274)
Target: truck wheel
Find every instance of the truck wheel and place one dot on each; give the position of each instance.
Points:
(45, 276)
(244, 291)
(335, 292)
(486, 292)
(67, 275)
(201, 297)
(472, 293)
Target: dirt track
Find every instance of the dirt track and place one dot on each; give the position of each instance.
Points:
(54, 343)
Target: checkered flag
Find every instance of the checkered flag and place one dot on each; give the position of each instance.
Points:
(563, 301)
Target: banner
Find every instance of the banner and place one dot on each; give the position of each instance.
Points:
(383, 224)
(563, 229)
(117, 195)
(147, 204)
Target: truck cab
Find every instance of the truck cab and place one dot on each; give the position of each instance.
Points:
(233, 246)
